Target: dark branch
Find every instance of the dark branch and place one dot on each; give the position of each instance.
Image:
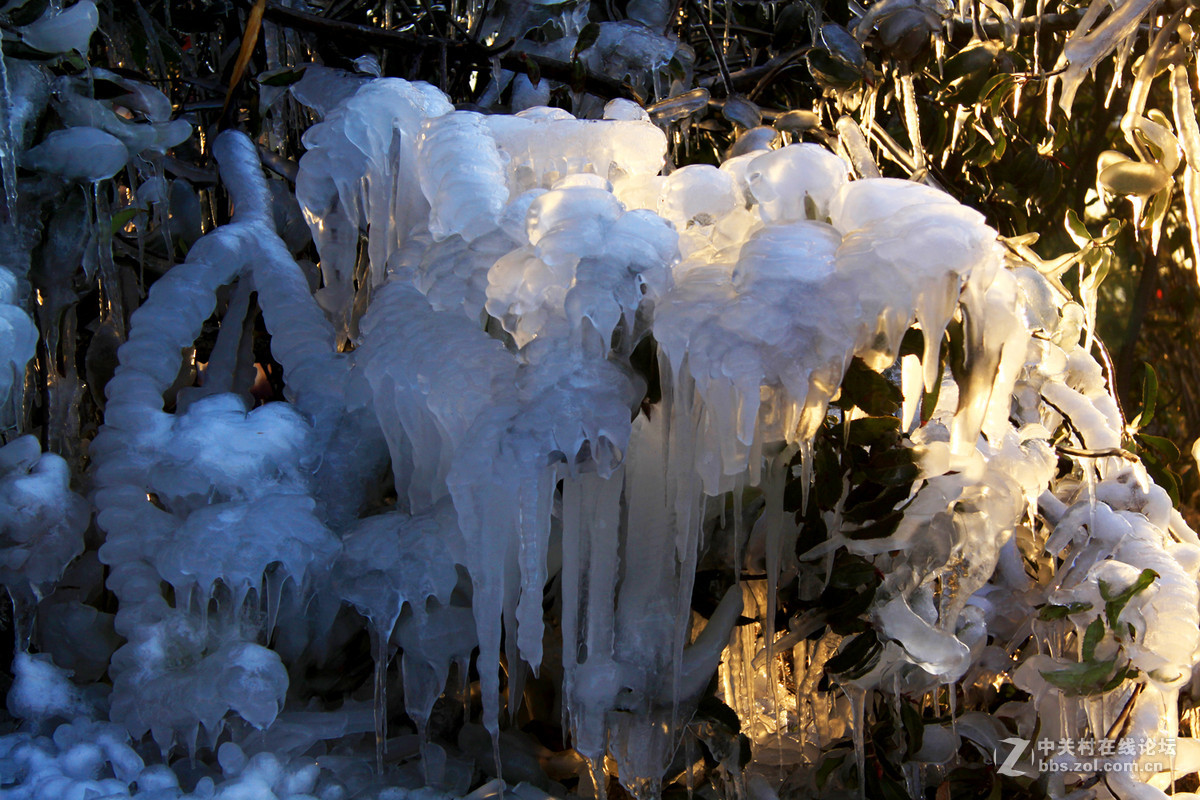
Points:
(461, 53)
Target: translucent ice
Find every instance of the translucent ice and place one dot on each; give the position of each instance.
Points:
(42, 527)
(41, 691)
(65, 30)
(79, 154)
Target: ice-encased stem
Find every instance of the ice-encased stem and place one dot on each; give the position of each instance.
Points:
(381, 647)
(857, 696)
(1189, 137)
(8, 155)
(912, 120)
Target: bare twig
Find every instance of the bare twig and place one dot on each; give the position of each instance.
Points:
(718, 53)
(1118, 726)
(780, 62)
(1111, 452)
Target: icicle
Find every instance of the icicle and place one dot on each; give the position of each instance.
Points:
(379, 639)
(852, 141)
(575, 562)
(274, 592)
(604, 515)
(857, 696)
(912, 120)
(1090, 292)
(1189, 137)
(112, 307)
(537, 498)
(1086, 46)
(24, 611)
(599, 777)
(8, 154)
(911, 383)
(773, 489)
(952, 705)
(738, 528)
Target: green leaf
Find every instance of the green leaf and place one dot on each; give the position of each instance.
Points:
(869, 501)
(831, 72)
(856, 657)
(872, 431)
(852, 571)
(1165, 448)
(284, 76)
(895, 467)
(108, 90)
(1117, 679)
(828, 765)
(914, 727)
(884, 526)
(578, 76)
(996, 91)
(587, 38)
(533, 70)
(711, 708)
(122, 218)
(867, 389)
(1053, 612)
(1165, 478)
(970, 60)
(1149, 396)
(1077, 230)
(1087, 677)
(913, 343)
(827, 477)
(1092, 637)
(1114, 603)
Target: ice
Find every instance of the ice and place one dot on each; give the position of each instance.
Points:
(630, 51)
(24, 89)
(44, 521)
(543, 145)
(484, 353)
(586, 259)
(323, 88)
(526, 95)
(356, 173)
(694, 199)
(1090, 42)
(434, 415)
(78, 154)
(140, 118)
(175, 676)
(18, 341)
(393, 559)
(466, 195)
(63, 30)
(42, 691)
(784, 180)
(211, 545)
(861, 203)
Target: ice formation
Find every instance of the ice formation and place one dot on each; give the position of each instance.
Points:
(482, 351)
